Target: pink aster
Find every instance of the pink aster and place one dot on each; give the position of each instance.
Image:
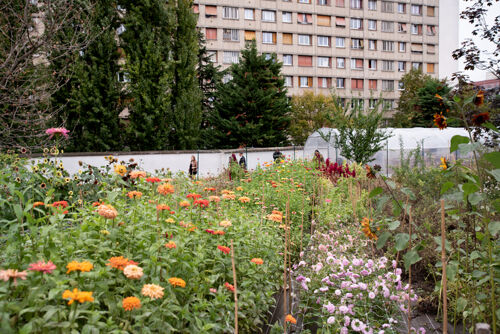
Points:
(57, 131)
(42, 267)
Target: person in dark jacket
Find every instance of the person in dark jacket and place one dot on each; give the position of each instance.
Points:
(193, 167)
(243, 162)
(277, 155)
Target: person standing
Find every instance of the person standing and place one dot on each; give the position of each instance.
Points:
(243, 162)
(277, 155)
(193, 167)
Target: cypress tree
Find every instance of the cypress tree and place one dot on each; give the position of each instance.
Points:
(253, 106)
(186, 99)
(147, 45)
(91, 113)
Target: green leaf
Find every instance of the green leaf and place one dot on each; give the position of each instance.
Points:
(391, 184)
(408, 193)
(394, 225)
(496, 204)
(461, 304)
(475, 198)
(410, 258)
(494, 158)
(469, 188)
(456, 140)
(446, 186)
(451, 271)
(494, 227)
(401, 241)
(465, 149)
(495, 173)
(382, 239)
(376, 192)
(491, 127)
(26, 329)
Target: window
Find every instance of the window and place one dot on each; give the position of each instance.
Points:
(287, 60)
(401, 66)
(388, 46)
(356, 43)
(340, 62)
(401, 8)
(357, 103)
(303, 18)
(305, 61)
(323, 20)
(324, 82)
(431, 48)
(402, 46)
(268, 56)
(372, 4)
(305, 1)
(196, 8)
(372, 25)
(430, 68)
(340, 42)
(387, 65)
(121, 29)
(356, 83)
(401, 85)
(388, 104)
(288, 81)
(340, 82)
(340, 21)
(372, 103)
(416, 29)
(249, 14)
(305, 82)
(212, 56)
(249, 35)
(324, 41)
(356, 4)
(231, 57)
(356, 64)
(372, 64)
(372, 44)
(431, 11)
(226, 78)
(416, 9)
(340, 3)
(401, 27)
(286, 17)
(304, 39)
(324, 2)
(356, 23)
(387, 26)
(123, 77)
(416, 66)
(287, 39)
(269, 15)
(387, 7)
(210, 11)
(323, 61)
(211, 33)
(231, 35)
(431, 30)
(230, 13)
(372, 84)
(417, 48)
(268, 37)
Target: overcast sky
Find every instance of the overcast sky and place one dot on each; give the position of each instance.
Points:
(466, 32)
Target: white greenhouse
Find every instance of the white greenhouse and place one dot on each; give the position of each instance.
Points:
(434, 143)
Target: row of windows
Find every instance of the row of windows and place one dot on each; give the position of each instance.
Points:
(231, 57)
(269, 37)
(356, 84)
(233, 13)
(267, 15)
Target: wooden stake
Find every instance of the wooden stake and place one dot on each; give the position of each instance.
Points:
(443, 263)
(235, 291)
(302, 224)
(409, 279)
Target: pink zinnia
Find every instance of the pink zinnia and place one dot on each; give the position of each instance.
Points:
(42, 267)
(57, 131)
(12, 273)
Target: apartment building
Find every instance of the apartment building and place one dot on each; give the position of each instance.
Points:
(359, 48)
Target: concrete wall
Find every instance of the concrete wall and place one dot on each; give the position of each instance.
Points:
(209, 162)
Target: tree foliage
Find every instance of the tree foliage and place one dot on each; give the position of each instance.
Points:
(253, 107)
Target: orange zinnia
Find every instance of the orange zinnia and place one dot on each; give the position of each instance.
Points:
(228, 286)
(80, 296)
(244, 199)
(131, 303)
(257, 260)
(107, 211)
(80, 266)
(184, 204)
(165, 189)
(134, 194)
(38, 204)
(289, 318)
(171, 244)
(224, 249)
(119, 262)
(161, 207)
(175, 281)
(137, 174)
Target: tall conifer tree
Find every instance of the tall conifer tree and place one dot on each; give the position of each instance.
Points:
(186, 94)
(147, 42)
(253, 106)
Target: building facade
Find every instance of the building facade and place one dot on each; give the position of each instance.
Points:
(358, 48)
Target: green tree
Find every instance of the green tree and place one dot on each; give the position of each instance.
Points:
(308, 114)
(253, 107)
(147, 42)
(358, 134)
(91, 112)
(186, 115)
(427, 103)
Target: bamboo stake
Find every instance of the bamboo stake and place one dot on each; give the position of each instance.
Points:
(302, 224)
(289, 231)
(443, 263)
(409, 279)
(285, 303)
(235, 291)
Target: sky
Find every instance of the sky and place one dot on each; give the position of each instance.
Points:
(465, 31)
